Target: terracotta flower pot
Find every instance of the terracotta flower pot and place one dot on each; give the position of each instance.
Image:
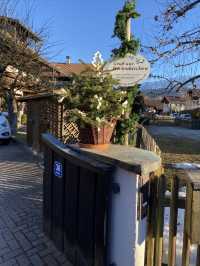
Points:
(96, 138)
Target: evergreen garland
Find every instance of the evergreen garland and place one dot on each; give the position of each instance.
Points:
(127, 47)
(127, 125)
(122, 18)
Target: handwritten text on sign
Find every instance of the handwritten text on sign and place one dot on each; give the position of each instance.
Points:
(129, 71)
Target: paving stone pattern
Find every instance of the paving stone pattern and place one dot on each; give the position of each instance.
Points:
(22, 241)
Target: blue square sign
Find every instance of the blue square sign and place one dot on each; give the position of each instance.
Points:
(58, 169)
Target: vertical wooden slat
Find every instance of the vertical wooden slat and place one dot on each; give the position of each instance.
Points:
(160, 221)
(195, 214)
(186, 240)
(58, 206)
(186, 250)
(151, 230)
(173, 221)
(102, 190)
(139, 137)
(71, 210)
(86, 221)
(198, 256)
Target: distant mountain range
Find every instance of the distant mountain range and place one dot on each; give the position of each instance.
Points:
(159, 88)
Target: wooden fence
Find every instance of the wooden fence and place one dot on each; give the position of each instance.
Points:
(145, 141)
(46, 114)
(43, 116)
(76, 210)
(165, 193)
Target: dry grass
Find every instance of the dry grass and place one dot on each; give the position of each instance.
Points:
(179, 149)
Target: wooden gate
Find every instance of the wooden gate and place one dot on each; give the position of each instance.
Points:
(76, 199)
(164, 244)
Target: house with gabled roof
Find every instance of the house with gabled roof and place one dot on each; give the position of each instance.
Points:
(67, 70)
(190, 101)
(173, 104)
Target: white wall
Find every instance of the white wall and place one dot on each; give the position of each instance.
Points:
(166, 108)
(127, 235)
(141, 231)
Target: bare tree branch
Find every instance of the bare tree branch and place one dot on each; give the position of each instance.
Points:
(177, 42)
(22, 68)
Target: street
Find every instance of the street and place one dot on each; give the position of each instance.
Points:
(175, 132)
(22, 241)
(177, 144)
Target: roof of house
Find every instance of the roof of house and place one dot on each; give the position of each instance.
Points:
(42, 95)
(194, 92)
(70, 69)
(38, 96)
(155, 103)
(23, 28)
(173, 99)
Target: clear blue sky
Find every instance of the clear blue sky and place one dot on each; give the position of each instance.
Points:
(80, 28)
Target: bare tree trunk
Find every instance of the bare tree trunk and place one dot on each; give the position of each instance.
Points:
(21, 108)
(12, 112)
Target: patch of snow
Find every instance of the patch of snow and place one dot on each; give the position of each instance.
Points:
(179, 239)
(187, 166)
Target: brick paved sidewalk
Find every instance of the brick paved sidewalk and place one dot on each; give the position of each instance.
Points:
(22, 241)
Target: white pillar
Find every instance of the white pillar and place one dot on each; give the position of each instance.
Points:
(128, 234)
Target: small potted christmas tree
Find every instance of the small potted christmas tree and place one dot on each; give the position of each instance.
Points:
(95, 106)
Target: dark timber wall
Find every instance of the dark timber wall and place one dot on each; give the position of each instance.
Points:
(43, 115)
(76, 202)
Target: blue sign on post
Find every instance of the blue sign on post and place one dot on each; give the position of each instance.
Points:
(58, 169)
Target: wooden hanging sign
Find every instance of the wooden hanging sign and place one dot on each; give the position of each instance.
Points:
(128, 71)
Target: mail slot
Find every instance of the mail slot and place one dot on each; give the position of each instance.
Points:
(143, 198)
(193, 207)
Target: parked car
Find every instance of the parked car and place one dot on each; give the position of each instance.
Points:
(5, 129)
(175, 115)
(185, 117)
(5, 114)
